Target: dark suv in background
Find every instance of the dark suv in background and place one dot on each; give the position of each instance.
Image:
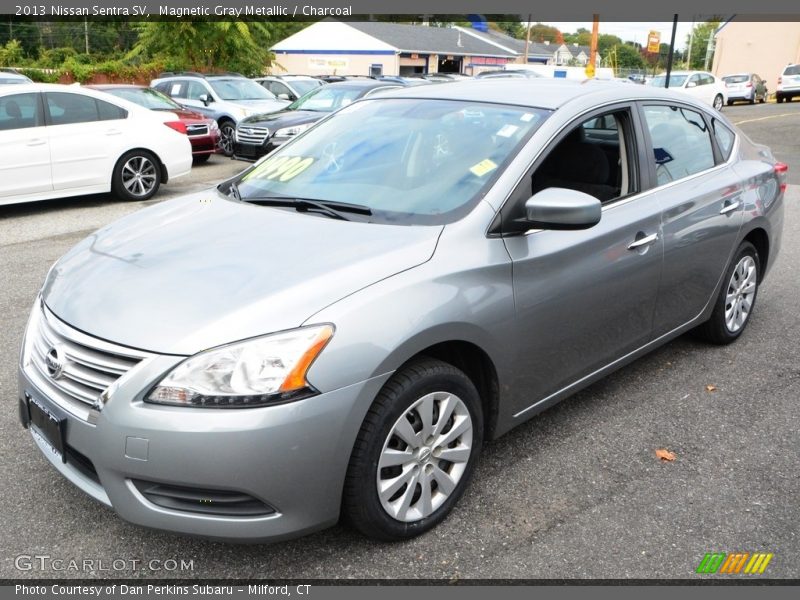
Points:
(261, 134)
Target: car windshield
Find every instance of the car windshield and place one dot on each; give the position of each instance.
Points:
(674, 80)
(303, 86)
(410, 161)
(147, 97)
(326, 98)
(793, 70)
(239, 88)
(736, 78)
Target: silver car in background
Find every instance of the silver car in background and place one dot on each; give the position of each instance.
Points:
(337, 330)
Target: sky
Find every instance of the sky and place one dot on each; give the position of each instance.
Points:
(634, 32)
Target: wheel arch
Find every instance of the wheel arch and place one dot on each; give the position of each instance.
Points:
(759, 237)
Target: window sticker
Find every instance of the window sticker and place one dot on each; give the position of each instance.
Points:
(507, 131)
(282, 168)
(483, 167)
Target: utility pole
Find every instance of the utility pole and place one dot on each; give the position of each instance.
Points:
(712, 41)
(86, 33)
(590, 68)
(671, 54)
(528, 38)
(689, 50)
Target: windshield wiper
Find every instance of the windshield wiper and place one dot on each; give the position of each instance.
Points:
(330, 208)
(233, 190)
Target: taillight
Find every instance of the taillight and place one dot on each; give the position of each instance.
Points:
(780, 79)
(780, 170)
(749, 85)
(178, 126)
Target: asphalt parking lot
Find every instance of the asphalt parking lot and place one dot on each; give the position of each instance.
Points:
(577, 492)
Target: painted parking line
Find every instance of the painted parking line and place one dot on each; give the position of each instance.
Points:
(794, 114)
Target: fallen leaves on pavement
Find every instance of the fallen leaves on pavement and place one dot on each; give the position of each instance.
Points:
(665, 455)
(711, 388)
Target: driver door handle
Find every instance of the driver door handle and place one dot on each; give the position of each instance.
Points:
(643, 241)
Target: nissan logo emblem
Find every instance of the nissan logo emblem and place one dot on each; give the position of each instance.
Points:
(54, 361)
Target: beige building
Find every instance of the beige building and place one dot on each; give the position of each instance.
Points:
(764, 48)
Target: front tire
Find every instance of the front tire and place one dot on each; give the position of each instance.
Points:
(136, 176)
(718, 102)
(736, 299)
(227, 130)
(415, 452)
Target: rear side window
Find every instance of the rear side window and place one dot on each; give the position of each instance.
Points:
(792, 70)
(681, 142)
(110, 112)
(67, 109)
(19, 111)
(725, 138)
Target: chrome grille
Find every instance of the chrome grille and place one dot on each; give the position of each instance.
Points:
(251, 135)
(194, 130)
(90, 366)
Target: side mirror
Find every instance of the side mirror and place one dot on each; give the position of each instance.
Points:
(691, 84)
(562, 209)
(205, 99)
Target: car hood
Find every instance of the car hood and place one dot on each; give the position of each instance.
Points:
(202, 270)
(283, 118)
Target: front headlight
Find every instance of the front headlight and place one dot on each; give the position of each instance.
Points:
(289, 131)
(256, 372)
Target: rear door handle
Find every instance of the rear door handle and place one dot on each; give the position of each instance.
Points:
(643, 241)
(729, 207)
(36, 142)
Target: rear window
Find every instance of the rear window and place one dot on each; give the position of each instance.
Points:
(736, 78)
(792, 70)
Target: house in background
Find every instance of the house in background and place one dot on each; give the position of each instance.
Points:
(379, 48)
(543, 53)
(760, 47)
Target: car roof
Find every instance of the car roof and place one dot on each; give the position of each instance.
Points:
(362, 84)
(114, 86)
(536, 93)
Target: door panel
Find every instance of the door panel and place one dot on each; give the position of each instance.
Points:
(24, 147)
(583, 298)
(80, 143)
(703, 212)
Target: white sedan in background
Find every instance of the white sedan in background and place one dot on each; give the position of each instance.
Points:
(698, 84)
(58, 141)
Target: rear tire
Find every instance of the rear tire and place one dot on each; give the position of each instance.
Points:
(736, 300)
(779, 99)
(136, 176)
(199, 159)
(428, 413)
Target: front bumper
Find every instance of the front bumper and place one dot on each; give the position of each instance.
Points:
(204, 144)
(292, 457)
(252, 152)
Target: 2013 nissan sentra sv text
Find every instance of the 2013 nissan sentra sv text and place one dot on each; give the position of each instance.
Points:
(337, 330)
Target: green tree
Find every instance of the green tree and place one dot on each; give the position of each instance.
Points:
(624, 56)
(513, 28)
(207, 45)
(11, 54)
(702, 34)
(545, 33)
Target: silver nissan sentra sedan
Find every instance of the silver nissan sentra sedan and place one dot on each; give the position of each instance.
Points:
(338, 329)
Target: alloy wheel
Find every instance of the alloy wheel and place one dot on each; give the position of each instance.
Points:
(718, 102)
(226, 133)
(740, 294)
(424, 456)
(139, 176)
